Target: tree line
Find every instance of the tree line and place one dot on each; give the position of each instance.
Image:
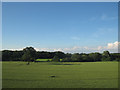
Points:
(30, 54)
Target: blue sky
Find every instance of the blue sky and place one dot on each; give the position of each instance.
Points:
(60, 26)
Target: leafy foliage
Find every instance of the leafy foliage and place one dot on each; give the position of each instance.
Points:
(30, 54)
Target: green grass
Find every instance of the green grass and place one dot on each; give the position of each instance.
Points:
(68, 75)
(44, 60)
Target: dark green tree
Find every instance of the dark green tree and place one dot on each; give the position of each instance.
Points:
(106, 56)
(95, 56)
(76, 57)
(0, 55)
(66, 59)
(85, 57)
(29, 54)
(59, 54)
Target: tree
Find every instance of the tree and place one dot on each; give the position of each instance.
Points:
(0, 55)
(16, 55)
(7, 55)
(85, 57)
(106, 59)
(56, 59)
(60, 54)
(68, 55)
(115, 56)
(29, 54)
(76, 57)
(66, 59)
(106, 56)
(95, 56)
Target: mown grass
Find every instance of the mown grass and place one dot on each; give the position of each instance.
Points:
(67, 75)
(44, 60)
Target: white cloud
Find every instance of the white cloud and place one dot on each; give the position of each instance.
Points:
(14, 49)
(59, 49)
(37, 49)
(112, 47)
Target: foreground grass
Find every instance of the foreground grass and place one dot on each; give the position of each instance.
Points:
(68, 75)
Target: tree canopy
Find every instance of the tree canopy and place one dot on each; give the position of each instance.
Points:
(30, 54)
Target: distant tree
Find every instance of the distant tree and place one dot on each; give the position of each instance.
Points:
(66, 59)
(59, 54)
(0, 55)
(16, 55)
(106, 56)
(26, 57)
(68, 55)
(56, 59)
(45, 55)
(115, 56)
(85, 57)
(95, 56)
(117, 59)
(29, 54)
(7, 55)
(76, 57)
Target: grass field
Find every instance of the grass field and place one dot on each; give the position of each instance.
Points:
(44, 60)
(67, 75)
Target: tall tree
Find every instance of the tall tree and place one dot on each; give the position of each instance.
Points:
(29, 54)
(106, 56)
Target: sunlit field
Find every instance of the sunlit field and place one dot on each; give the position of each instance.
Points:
(45, 60)
(60, 75)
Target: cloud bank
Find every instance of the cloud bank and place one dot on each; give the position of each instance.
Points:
(111, 47)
